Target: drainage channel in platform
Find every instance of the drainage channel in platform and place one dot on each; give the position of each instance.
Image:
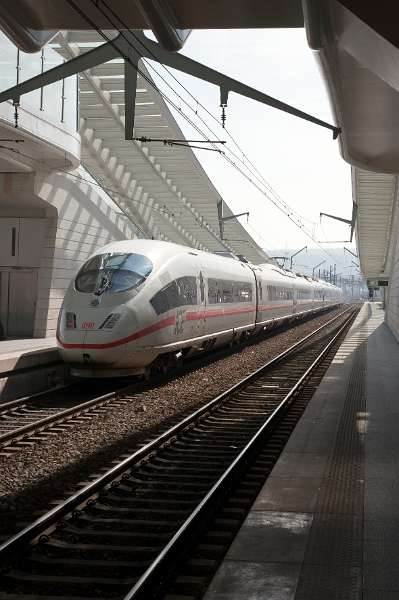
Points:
(319, 526)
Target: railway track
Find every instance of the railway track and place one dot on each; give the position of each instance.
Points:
(123, 534)
(28, 420)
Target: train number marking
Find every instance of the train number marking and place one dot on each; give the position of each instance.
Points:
(88, 325)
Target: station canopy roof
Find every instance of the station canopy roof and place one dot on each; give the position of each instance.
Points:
(39, 15)
(357, 45)
(163, 189)
(375, 194)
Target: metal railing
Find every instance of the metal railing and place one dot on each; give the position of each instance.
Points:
(59, 100)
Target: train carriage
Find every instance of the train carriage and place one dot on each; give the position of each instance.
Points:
(139, 303)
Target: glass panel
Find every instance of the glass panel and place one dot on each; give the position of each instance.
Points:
(52, 94)
(114, 272)
(226, 291)
(8, 63)
(213, 291)
(245, 292)
(181, 292)
(70, 99)
(187, 287)
(31, 65)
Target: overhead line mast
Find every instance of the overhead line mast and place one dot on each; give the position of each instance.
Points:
(121, 46)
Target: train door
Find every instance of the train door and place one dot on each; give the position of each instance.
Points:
(258, 298)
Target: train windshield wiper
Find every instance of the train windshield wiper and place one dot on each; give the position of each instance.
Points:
(104, 285)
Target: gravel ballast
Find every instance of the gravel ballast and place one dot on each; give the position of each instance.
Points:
(39, 475)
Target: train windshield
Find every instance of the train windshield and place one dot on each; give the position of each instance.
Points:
(113, 272)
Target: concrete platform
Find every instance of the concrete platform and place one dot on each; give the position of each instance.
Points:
(326, 524)
(26, 353)
(28, 366)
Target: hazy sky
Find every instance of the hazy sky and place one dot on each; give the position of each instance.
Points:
(300, 160)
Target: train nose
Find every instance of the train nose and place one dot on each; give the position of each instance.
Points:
(87, 336)
(83, 349)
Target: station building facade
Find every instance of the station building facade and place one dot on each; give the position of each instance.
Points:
(51, 217)
(70, 183)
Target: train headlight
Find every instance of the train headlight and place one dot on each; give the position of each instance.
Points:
(110, 321)
(70, 320)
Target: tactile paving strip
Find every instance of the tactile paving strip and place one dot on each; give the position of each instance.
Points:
(333, 559)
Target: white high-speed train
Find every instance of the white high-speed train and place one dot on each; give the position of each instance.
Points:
(142, 304)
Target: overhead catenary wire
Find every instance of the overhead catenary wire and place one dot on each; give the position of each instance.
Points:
(182, 142)
(144, 76)
(162, 210)
(152, 68)
(261, 179)
(106, 189)
(292, 215)
(289, 213)
(254, 171)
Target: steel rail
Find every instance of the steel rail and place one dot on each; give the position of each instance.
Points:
(26, 399)
(89, 492)
(141, 590)
(63, 415)
(43, 424)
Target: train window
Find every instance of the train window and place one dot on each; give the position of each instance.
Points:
(165, 299)
(244, 292)
(303, 294)
(236, 292)
(180, 292)
(226, 291)
(187, 287)
(213, 294)
(113, 272)
(279, 293)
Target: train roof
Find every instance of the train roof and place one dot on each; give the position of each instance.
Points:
(275, 272)
(156, 250)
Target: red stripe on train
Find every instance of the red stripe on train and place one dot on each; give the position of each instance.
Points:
(143, 332)
(224, 312)
(168, 322)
